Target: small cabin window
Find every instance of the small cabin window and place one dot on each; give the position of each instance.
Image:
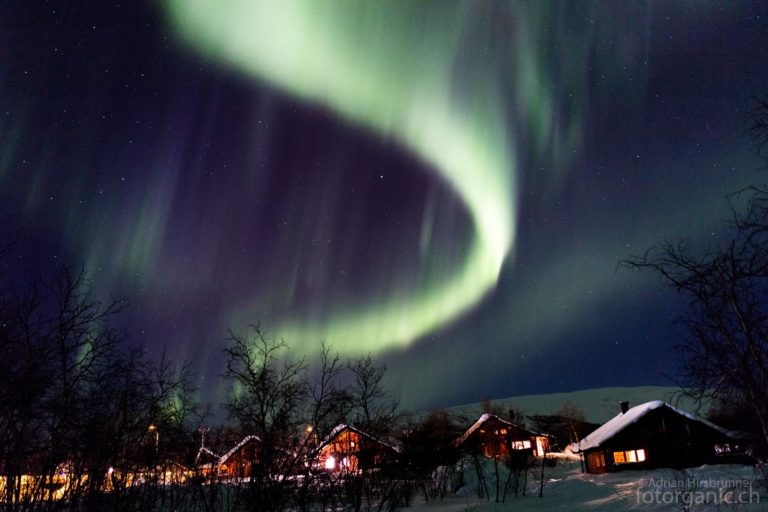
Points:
(521, 445)
(629, 456)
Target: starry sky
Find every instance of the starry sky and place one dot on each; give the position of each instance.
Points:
(447, 185)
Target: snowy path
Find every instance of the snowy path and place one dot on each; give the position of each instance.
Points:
(567, 489)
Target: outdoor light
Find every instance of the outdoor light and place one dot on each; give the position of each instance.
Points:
(152, 428)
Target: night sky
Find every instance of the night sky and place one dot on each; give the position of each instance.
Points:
(447, 185)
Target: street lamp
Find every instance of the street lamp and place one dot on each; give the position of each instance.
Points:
(153, 430)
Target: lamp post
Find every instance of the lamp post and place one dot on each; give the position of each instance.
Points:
(311, 431)
(153, 430)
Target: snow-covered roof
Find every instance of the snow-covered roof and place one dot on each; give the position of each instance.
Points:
(623, 420)
(343, 426)
(224, 458)
(485, 417)
(205, 452)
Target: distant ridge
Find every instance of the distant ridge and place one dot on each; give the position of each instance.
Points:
(599, 405)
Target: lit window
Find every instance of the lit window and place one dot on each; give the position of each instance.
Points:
(521, 445)
(629, 456)
(330, 462)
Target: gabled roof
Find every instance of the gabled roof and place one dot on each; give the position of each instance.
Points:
(224, 458)
(623, 420)
(338, 429)
(486, 417)
(205, 452)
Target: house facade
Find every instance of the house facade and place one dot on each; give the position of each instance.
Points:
(348, 449)
(656, 434)
(496, 437)
(239, 462)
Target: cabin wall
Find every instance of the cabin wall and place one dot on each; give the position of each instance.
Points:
(495, 439)
(241, 463)
(350, 451)
(340, 454)
(661, 438)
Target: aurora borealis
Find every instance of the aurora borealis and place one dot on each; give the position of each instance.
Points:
(378, 82)
(448, 185)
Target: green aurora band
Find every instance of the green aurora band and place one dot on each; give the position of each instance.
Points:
(421, 73)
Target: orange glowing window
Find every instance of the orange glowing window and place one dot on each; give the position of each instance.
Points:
(629, 456)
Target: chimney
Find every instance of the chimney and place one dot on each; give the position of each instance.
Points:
(624, 406)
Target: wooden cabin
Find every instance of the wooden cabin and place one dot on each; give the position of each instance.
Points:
(348, 449)
(496, 437)
(239, 462)
(206, 462)
(656, 434)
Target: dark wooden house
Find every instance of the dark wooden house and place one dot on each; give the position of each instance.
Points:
(206, 462)
(496, 437)
(349, 449)
(656, 434)
(239, 462)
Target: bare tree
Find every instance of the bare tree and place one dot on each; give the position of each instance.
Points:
(431, 453)
(329, 403)
(373, 408)
(724, 353)
(268, 391)
(54, 337)
(76, 401)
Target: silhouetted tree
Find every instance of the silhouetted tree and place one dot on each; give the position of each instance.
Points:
(329, 403)
(373, 409)
(724, 355)
(268, 392)
(75, 400)
(431, 453)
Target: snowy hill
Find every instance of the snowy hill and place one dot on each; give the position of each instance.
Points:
(599, 405)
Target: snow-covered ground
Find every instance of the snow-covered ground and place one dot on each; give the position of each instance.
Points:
(711, 488)
(566, 488)
(599, 405)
